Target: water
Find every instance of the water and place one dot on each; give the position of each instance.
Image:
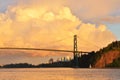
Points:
(59, 74)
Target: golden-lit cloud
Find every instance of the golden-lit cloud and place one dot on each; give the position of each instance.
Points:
(94, 38)
(51, 26)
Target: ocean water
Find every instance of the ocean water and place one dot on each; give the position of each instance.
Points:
(59, 74)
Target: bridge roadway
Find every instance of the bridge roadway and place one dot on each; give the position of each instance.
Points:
(11, 48)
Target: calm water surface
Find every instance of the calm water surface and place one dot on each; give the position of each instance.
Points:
(59, 74)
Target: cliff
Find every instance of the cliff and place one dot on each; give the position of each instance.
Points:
(107, 58)
(107, 55)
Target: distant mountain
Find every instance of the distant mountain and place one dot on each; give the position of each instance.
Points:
(108, 56)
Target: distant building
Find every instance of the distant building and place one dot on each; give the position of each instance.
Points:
(58, 60)
(51, 60)
(65, 59)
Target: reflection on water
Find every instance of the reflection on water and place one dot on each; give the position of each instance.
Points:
(59, 74)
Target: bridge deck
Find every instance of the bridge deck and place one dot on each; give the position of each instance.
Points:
(42, 49)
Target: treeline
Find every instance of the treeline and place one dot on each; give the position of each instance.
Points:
(57, 64)
(26, 65)
(113, 46)
(18, 65)
(86, 60)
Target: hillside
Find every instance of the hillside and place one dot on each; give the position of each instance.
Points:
(108, 56)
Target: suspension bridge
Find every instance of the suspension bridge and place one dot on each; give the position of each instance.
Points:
(75, 50)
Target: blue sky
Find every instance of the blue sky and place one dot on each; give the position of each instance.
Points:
(115, 28)
(5, 3)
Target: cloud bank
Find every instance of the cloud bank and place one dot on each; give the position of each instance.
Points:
(50, 24)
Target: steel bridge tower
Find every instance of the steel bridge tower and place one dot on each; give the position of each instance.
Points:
(75, 51)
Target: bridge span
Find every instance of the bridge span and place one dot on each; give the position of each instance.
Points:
(13, 48)
(74, 51)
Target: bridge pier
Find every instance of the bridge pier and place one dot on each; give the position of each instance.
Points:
(75, 52)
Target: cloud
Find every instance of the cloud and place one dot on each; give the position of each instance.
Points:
(94, 38)
(89, 10)
(46, 26)
(111, 19)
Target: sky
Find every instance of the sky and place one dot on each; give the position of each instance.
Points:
(52, 24)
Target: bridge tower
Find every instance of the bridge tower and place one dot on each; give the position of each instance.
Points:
(75, 52)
